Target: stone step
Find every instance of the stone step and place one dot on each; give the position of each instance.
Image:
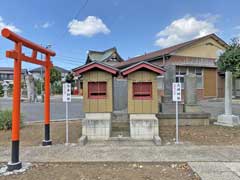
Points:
(120, 124)
(120, 117)
(120, 134)
(120, 129)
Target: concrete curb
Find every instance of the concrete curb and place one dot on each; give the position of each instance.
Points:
(55, 120)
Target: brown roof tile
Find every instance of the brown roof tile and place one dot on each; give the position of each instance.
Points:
(159, 53)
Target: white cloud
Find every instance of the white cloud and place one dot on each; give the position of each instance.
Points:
(90, 26)
(44, 25)
(237, 27)
(9, 26)
(185, 29)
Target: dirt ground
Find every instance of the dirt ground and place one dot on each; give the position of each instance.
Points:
(108, 171)
(32, 134)
(200, 135)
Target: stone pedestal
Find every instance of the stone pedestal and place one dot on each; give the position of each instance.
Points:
(143, 126)
(5, 94)
(192, 108)
(96, 126)
(5, 90)
(169, 78)
(168, 106)
(228, 119)
(190, 94)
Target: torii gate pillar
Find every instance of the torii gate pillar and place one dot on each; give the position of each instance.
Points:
(18, 57)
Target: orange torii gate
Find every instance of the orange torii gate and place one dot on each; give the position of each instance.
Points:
(18, 57)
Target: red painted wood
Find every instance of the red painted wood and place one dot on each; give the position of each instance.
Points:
(142, 90)
(140, 66)
(16, 38)
(92, 66)
(97, 90)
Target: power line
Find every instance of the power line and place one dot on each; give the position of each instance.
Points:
(69, 60)
(76, 15)
(73, 63)
(83, 7)
(72, 58)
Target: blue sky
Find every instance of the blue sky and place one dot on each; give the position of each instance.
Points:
(73, 27)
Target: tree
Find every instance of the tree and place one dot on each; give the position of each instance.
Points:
(1, 90)
(55, 80)
(70, 77)
(55, 75)
(230, 59)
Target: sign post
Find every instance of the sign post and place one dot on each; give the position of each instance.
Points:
(176, 89)
(67, 99)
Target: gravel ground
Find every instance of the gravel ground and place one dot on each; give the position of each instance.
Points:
(107, 171)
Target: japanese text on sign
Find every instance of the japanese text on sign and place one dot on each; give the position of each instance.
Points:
(66, 92)
(176, 89)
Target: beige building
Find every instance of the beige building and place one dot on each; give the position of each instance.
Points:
(197, 56)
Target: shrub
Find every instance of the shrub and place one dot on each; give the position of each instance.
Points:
(1, 90)
(6, 120)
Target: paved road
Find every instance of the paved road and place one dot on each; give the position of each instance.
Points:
(217, 170)
(35, 111)
(217, 108)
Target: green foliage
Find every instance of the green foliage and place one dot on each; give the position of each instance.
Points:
(1, 90)
(57, 88)
(38, 85)
(230, 59)
(6, 120)
(55, 79)
(55, 75)
(10, 89)
(70, 77)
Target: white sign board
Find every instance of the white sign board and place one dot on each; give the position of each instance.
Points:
(176, 89)
(66, 92)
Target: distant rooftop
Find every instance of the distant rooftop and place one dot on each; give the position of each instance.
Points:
(166, 51)
(10, 69)
(39, 69)
(109, 55)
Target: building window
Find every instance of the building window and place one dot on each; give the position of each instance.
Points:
(199, 75)
(142, 90)
(97, 90)
(182, 71)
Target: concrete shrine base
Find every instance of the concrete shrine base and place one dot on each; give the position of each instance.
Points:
(228, 120)
(144, 127)
(96, 126)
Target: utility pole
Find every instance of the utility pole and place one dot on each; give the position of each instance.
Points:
(41, 81)
(42, 93)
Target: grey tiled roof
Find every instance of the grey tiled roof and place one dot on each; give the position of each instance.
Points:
(10, 69)
(38, 70)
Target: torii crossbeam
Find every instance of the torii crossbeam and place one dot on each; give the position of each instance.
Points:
(18, 57)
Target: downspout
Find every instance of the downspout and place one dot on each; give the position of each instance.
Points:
(164, 60)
